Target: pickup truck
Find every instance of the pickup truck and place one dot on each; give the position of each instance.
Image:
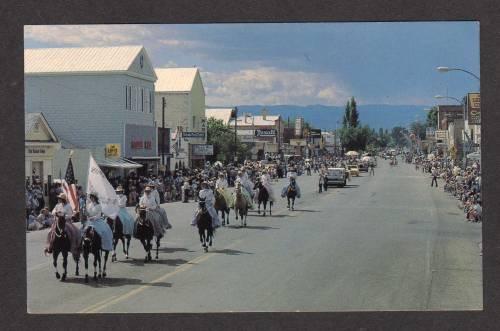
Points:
(336, 176)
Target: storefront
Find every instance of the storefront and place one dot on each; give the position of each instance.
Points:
(141, 147)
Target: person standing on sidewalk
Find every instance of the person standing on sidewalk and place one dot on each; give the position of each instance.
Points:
(321, 182)
(434, 174)
(372, 169)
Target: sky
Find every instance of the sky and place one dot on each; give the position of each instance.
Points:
(299, 63)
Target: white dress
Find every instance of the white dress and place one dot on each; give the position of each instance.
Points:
(65, 209)
(93, 211)
(266, 182)
(209, 197)
(153, 213)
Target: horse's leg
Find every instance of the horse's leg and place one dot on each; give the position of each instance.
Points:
(258, 207)
(77, 262)
(99, 261)
(293, 203)
(96, 256)
(265, 207)
(129, 237)
(65, 264)
(115, 243)
(245, 211)
(86, 260)
(55, 254)
(270, 207)
(106, 254)
(288, 199)
(157, 245)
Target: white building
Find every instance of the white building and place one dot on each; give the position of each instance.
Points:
(40, 147)
(184, 94)
(95, 98)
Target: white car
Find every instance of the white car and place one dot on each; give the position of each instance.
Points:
(336, 176)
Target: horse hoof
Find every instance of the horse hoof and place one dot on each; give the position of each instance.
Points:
(63, 278)
(77, 273)
(100, 276)
(95, 278)
(103, 275)
(58, 275)
(86, 278)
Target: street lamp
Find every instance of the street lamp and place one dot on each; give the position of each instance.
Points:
(447, 97)
(446, 69)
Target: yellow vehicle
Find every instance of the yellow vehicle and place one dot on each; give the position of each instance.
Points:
(353, 170)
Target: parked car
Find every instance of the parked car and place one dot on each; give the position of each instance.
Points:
(336, 176)
(353, 169)
(363, 167)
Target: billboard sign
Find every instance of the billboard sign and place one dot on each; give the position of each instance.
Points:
(140, 140)
(192, 134)
(265, 133)
(202, 149)
(474, 108)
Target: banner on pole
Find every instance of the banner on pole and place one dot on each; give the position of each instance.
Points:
(98, 183)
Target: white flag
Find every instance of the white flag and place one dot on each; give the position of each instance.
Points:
(98, 183)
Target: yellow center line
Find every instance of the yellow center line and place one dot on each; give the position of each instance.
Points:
(114, 300)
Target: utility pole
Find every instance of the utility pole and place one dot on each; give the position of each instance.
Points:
(235, 133)
(163, 133)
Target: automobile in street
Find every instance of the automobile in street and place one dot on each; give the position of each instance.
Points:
(353, 169)
(363, 166)
(336, 176)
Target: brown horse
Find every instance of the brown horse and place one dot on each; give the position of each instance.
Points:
(240, 206)
(222, 205)
(61, 239)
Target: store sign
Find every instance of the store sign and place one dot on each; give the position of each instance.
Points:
(315, 133)
(140, 140)
(298, 142)
(247, 139)
(441, 134)
(474, 108)
(192, 134)
(113, 150)
(37, 151)
(202, 149)
(265, 133)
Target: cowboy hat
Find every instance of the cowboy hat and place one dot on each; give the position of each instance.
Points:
(147, 189)
(119, 189)
(62, 196)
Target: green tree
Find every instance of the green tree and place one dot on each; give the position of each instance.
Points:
(418, 128)
(347, 115)
(398, 136)
(432, 118)
(222, 138)
(353, 114)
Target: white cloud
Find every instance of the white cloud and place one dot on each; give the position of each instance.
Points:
(272, 86)
(88, 35)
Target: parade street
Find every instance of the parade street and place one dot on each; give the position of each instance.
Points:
(388, 242)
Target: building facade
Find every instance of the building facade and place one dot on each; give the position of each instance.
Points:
(98, 99)
(180, 106)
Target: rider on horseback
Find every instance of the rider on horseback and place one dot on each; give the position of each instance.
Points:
(207, 195)
(63, 206)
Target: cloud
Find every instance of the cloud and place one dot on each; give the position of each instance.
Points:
(88, 35)
(272, 86)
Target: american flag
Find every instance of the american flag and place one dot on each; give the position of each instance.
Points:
(68, 185)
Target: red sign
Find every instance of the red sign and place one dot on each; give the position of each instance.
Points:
(139, 144)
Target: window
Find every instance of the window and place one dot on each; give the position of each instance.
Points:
(142, 99)
(129, 98)
(194, 122)
(151, 98)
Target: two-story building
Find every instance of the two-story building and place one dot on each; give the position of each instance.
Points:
(180, 106)
(99, 98)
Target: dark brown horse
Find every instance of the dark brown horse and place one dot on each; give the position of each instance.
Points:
(204, 224)
(92, 244)
(144, 232)
(222, 205)
(263, 198)
(116, 226)
(61, 239)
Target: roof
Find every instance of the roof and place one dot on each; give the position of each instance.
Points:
(175, 79)
(80, 59)
(30, 119)
(223, 114)
(257, 120)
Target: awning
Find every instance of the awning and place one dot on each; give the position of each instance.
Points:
(118, 163)
(146, 157)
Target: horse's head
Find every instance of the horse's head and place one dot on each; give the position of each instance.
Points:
(61, 220)
(88, 236)
(202, 205)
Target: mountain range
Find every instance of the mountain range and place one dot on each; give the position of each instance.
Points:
(325, 117)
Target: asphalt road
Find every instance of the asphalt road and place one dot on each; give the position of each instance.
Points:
(388, 242)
